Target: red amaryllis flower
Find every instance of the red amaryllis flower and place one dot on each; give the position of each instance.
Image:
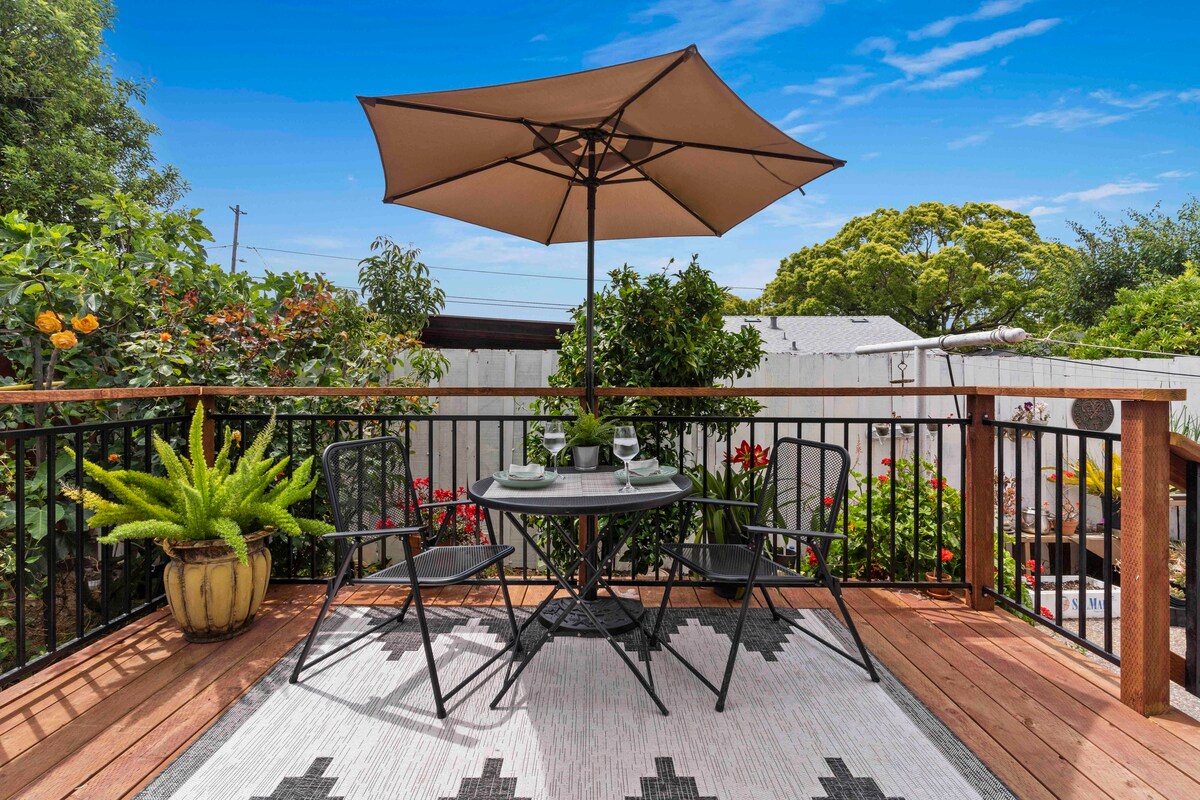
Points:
(947, 555)
(747, 458)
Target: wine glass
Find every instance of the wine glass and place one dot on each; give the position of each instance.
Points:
(554, 439)
(625, 447)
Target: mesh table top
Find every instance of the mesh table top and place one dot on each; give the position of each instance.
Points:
(579, 493)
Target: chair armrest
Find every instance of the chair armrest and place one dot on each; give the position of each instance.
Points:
(794, 534)
(446, 504)
(718, 501)
(375, 535)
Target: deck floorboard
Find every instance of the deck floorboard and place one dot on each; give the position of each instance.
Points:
(1046, 719)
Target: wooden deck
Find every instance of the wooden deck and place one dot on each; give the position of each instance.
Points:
(1047, 720)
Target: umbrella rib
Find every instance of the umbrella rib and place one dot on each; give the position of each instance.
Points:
(646, 160)
(553, 146)
(745, 151)
(684, 56)
(566, 196)
(385, 101)
(467, 173)
(668, 193)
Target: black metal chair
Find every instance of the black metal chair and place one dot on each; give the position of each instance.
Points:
(372, 497)
(801, 498)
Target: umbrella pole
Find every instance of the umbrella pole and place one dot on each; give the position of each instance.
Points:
(589, 367)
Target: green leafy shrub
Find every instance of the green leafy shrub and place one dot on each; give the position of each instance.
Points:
(195, 501)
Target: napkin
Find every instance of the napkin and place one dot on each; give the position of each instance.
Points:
(526, 472)
(647, 466)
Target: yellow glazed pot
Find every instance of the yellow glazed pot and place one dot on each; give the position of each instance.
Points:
(211, 595)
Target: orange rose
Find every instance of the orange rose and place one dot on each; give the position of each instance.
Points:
(48, 322)
(164, 337)
(63, 340)
(85, 324)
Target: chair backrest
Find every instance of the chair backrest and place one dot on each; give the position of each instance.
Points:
(370, 485)
(804, 486)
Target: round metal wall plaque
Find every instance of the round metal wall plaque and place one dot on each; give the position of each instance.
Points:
(1092, 415)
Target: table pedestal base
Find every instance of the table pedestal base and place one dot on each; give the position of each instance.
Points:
(616, 616)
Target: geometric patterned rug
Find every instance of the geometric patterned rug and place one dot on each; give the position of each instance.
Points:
(800, 722)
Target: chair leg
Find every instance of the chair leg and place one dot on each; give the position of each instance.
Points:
(331, 590)
(512, 618)
(835, 589)
(737, 640)
(775, 615)
(433, 676)
(662, 608)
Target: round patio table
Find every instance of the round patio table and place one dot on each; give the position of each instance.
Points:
(596, 496)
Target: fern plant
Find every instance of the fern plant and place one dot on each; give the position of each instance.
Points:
(197, 502)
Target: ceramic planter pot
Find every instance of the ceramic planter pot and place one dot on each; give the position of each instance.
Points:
(937, 592)
(586, 458)
(212, 596)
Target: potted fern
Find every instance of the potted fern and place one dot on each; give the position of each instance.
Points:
(585, 435)
(212, 521)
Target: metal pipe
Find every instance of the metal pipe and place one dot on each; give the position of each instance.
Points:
(1001, 336)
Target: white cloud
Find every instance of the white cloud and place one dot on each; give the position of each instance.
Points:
(934, 59)
(719, 28)
(1137, 102)
(1045, 211)
(802, 212)
(968, 141)
(870, 155)
(990, 10)
(800, 130)
(1017, 203)
(1175, 173)
(830, 86)
(1106, 191)
(949, 79)
(1189, 96)
(1157, 153)
(871, 93)
(1069, 119)
(541, 37)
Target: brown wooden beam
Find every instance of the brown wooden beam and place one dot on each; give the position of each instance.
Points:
(1145, 614)
(979, 488)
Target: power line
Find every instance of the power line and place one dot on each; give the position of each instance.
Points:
(1159, 353)
(476, 271)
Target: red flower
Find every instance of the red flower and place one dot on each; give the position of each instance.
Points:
(947, 555)
(828, 501)
(1047, 613)
(937, 483)
(1052, 477)
(887, 462)
(749, 459)
(812, 558)
(1033, 567)
(883, 479)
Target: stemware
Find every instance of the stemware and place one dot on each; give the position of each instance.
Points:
(626, 448)
(554, 439)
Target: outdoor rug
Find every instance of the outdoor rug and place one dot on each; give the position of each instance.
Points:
(801, 722)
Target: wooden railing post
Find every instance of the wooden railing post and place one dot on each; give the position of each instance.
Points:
(1145, 612)
(979, 485)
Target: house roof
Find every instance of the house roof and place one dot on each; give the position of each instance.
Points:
(821, 334)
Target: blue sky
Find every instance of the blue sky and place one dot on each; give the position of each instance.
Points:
(1058, 109)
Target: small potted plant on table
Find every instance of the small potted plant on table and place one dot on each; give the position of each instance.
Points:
(212, 521)
(585, 435)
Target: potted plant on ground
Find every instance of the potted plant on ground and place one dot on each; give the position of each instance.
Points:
(212, 521)
(585, 435)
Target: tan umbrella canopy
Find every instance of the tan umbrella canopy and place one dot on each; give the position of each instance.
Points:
(656, 147)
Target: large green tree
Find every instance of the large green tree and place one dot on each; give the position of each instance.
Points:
(68, 126)
(1160, 317)
(1143, 249)
(934, 267)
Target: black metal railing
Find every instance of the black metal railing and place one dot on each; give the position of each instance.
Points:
(903, 511)
(1058, 530)
(60, 588)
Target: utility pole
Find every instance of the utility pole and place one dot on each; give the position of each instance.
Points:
(237, 217)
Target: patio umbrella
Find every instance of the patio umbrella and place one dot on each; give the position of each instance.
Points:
(656, 147)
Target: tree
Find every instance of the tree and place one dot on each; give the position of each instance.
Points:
(936, 268)
(68, 127)
(398, 288)
(1162, 317)
(655, 331)
(1146, 248)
